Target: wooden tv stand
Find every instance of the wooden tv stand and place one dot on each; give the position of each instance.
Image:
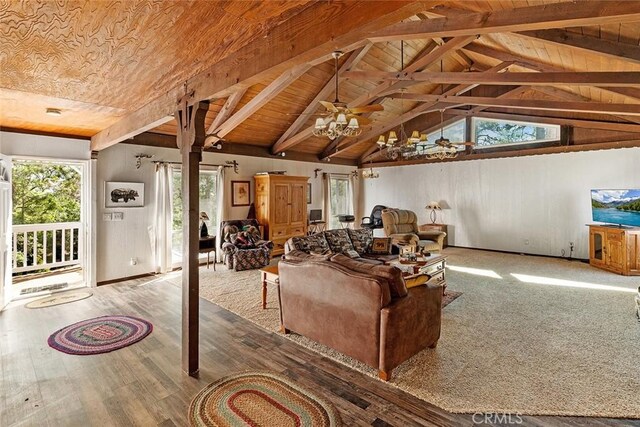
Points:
(614, 248)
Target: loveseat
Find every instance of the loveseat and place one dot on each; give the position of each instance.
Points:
(242, 245)
(359, 309)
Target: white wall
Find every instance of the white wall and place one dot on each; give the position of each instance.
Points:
(500, 203)
(22, 144)
(118, 242)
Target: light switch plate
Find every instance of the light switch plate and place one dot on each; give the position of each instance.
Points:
(118, 216)
(106, 217)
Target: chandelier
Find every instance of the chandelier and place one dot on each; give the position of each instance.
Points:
(336, 123)
(370, 173)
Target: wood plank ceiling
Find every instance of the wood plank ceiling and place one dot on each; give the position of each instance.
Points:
(115, 55)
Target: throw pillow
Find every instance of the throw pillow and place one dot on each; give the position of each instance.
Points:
(242, 240)
(381, 246)
(228, 231)
(361, 239)
(314, 243)
(412, 282)
(352, 254)
(339, 241)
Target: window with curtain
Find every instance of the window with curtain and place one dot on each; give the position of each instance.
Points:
(340, 199)
(208, 204)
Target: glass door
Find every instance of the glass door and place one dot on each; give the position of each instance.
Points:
(5, 231)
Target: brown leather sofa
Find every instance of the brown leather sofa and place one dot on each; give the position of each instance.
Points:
(402, 226)
(364, 311)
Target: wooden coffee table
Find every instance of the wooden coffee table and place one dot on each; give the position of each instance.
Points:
(433, 266)
(269, 276)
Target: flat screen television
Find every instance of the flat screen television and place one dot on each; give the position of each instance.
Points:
(620, 207)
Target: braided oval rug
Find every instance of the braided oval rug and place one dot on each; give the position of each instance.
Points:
(100, 335)
(260, 399)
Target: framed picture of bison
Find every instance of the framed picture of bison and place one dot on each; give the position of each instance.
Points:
(123, 194)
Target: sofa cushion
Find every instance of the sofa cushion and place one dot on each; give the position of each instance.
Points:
(243, 240)
(313, 243)
(361, 239)
(300, 256)
(392, 275)
(339, 241)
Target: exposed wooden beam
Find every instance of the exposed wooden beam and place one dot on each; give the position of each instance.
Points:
(540, 17)
(429, 54)
(227, 109)
(190, 140)
(304, 38)
(589, 124)
(381, 128)
(539, 66)
(282, 143)
(518, 153)
(267, 94)
(529, 104)
(570, 96)
(151, 139)
(577, 78)
(608, 48)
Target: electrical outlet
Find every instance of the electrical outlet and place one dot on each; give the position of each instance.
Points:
(106, 217)
(133, 261)
(526, 241)
(118, 216)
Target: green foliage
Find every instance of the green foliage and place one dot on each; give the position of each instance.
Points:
(598, 205)
(45, 193)
(631, 206)
(490, 133)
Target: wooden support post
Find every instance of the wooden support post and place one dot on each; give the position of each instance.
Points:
(190, 138)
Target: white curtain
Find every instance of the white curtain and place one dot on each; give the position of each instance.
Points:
(326, 198)
(222, 213)
(160, 233)
(354, 191)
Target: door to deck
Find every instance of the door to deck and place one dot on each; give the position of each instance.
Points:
(5, 236)
(48, 251)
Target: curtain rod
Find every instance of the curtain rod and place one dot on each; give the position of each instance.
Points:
(201, 164)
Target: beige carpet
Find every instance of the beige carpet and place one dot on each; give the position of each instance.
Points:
(529, 334)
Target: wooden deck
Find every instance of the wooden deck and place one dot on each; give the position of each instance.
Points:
(143, 384)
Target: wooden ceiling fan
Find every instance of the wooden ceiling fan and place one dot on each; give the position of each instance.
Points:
(339, 114)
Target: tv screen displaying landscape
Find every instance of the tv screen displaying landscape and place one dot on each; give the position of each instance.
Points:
(616, 206)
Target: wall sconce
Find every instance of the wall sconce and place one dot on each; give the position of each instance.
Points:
(139, 158)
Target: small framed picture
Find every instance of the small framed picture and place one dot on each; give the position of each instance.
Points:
(123, 194)
(308, 193)
(240, 193)
(407, 249)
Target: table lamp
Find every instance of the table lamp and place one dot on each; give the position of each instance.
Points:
(204, 232)
(434, 206)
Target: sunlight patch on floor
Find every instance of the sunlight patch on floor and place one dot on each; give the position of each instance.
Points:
(475, 271)
(539, 280)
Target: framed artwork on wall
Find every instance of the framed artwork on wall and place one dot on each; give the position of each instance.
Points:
(240, 193)
(308, 193)
(123, 194)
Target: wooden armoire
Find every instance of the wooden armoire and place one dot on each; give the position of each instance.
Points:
(281, 207)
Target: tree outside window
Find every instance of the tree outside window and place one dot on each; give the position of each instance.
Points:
(340, 200)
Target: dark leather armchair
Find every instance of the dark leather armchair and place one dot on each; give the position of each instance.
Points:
(374, 220)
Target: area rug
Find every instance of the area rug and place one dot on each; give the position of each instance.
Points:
(59, 298)
(100, 335)
(260, 399)
(534, 335)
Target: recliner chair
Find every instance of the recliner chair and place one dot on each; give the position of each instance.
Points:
(402, 226)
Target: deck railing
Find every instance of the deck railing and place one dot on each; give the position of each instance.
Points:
(47, 246)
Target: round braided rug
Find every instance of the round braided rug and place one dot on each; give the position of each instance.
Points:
(260, 399)
(100, 335)
(59, 298)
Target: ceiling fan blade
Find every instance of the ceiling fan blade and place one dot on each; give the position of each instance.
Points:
(366, 109)
(329, 106)
(362, 121)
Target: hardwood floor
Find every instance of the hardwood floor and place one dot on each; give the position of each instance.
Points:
(143, 384)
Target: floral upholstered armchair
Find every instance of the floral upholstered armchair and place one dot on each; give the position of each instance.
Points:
(242, 245)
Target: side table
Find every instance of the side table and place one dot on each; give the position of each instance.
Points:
(269, 275)
(436, 227)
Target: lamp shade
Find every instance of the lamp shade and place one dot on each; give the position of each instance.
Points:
(319, 123)
(204, 216)
(341, 119)
(433, 205)
(353, 123)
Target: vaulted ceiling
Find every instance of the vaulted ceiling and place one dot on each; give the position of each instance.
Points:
(108, 65)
